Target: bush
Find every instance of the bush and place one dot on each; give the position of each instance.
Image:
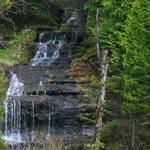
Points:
(97, 146)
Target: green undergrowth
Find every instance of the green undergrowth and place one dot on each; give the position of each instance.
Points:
(122, 128)
(89, 54)
(74, 146)
(85, 51)
(92, 93)
(3, 84)
(87, 117)
(20, 48)
(98, 145)
(78, 51)
(64, 27)
(3, 87)
(5, 3)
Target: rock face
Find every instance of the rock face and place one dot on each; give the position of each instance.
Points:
(53, 97)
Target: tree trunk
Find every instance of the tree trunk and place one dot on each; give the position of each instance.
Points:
(103, 65)
(133, 134)
(97, 34)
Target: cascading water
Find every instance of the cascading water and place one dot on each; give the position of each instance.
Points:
(15, 87)
(13, 111)
(73, 17)
(42, 51)
(26, 114)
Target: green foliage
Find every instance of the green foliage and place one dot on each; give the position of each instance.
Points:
(89, 54)
(19, 49)
(124, 31)
(78, 51)
(115, 146)
(64, 27)
(87, 118)
(2, 144)
(97, 145)
(94, 81)
(3, 85)
(136, 61)
(92, 95)
(5, 3)
(74, 147)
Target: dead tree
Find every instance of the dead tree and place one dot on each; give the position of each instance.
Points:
(103, 65)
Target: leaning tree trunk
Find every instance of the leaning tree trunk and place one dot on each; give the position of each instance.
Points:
(103, 65)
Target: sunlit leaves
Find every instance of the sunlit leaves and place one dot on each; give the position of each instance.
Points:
(6, 3)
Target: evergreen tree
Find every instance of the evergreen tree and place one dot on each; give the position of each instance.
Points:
(124, 32)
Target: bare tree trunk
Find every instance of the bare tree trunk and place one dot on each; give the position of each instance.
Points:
(103, 66)
(97, 33)
(133, 134)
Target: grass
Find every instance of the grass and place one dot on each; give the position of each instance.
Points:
(20, 48)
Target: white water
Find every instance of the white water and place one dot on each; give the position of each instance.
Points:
(33, 122)
(42, 51)
(73, 17)
(41, 87)
(13, 111)
(15, 87)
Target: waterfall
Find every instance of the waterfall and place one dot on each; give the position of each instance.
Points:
(41, 37)
(41, 55)
(12, 121)
(42, 88)
(15, 106)
(33, 122)
(49, 123)
(15, 87)
(73, 17)
(6, 117)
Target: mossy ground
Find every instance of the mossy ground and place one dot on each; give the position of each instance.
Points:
(20, 48)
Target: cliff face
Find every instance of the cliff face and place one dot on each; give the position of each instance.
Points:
(48, 89)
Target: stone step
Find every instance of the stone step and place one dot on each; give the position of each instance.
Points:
(34, 75)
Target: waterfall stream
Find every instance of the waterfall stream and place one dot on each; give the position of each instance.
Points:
(12, 104)
(13, 110)
(42, 51)
(26, 115)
